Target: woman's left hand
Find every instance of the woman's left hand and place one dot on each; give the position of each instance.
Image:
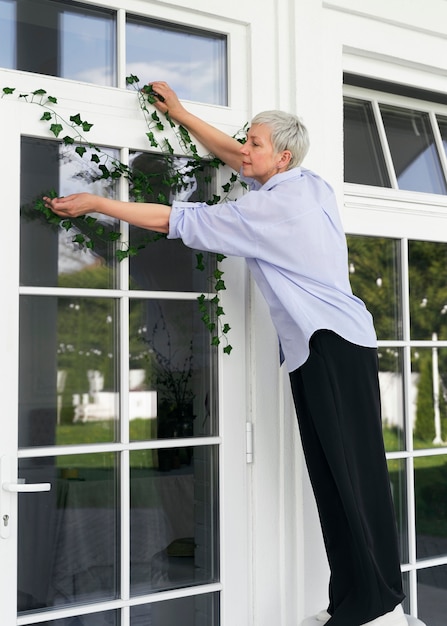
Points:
(75, 205)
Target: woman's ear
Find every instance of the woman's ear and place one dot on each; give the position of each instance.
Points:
(286, 157)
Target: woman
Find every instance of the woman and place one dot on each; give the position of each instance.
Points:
(289, 231)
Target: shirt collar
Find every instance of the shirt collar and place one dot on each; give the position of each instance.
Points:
(276, 179)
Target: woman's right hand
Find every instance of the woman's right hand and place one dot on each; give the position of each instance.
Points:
(167, 100)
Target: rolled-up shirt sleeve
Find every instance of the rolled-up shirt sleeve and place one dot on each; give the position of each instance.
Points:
(224, 228)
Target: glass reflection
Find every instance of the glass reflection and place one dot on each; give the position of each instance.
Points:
(193, 61)
(7, 32)
(392, 398)
(174, 517)
(172, 367)
(163, 265)
(364, 162)
(442, 123)
(192, 611)
(432, 596)
(429, 381)
(68, 385)
(66, 39)
(374, 271)
(430, 483)
(398, 473)
(49, 256)
(413, 150)
(428, 289)
(407, 591)
(106, 618)
(68, 548)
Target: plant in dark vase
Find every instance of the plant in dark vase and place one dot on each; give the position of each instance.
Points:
(171, 373)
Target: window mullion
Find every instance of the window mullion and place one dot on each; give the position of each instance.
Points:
(439, 143)
(384, 143)
(121, 48)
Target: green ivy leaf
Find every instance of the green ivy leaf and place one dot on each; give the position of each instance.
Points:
(39, 92)
(226, 328)
(8, 90)
(68, 141)
(228, 349)
(46, 116)
(80, 150)
(121, 255)
(215, 199)
(56, 129)
(200, 264)
(79, 238)
(52, 99)
(215, 341)
(220, 257)
(220, 285)
(76, 119)
(105, 171)
(169, 120)
(152, 140)
(86, 126)
(114, 235)
(132, 79)
(94, 158)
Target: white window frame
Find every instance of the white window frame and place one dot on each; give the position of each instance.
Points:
(108, 108)
(402, 215)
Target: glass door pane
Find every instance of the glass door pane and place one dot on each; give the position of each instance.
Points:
(69, 537)
(174, 518)
(122, 501)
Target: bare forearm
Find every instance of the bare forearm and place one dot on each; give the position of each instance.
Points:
(216, 141)
(145, 215)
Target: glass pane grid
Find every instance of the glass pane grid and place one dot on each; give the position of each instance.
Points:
(394, 146)
(77, 41)
(412, 369)
(141, 500)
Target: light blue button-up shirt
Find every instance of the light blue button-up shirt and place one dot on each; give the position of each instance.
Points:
(290, 233)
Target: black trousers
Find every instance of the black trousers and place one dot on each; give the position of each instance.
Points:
(337, 399)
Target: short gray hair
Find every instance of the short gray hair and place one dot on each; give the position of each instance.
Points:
(288, 133)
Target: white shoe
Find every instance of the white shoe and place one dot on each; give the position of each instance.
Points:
(393, 618)
(323, 616)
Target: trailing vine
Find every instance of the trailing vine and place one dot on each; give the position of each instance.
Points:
(72, 132)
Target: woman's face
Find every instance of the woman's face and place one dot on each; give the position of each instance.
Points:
(259, 160)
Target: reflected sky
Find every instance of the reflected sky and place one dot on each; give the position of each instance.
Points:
(88, 48)
(7, 38)
(193, 64)
(79, 43)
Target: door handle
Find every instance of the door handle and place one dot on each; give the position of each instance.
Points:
(8, 470)
(26, 488)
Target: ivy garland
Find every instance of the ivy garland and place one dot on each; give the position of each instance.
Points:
(72, 133)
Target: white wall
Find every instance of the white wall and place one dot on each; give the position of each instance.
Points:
(297, 64)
